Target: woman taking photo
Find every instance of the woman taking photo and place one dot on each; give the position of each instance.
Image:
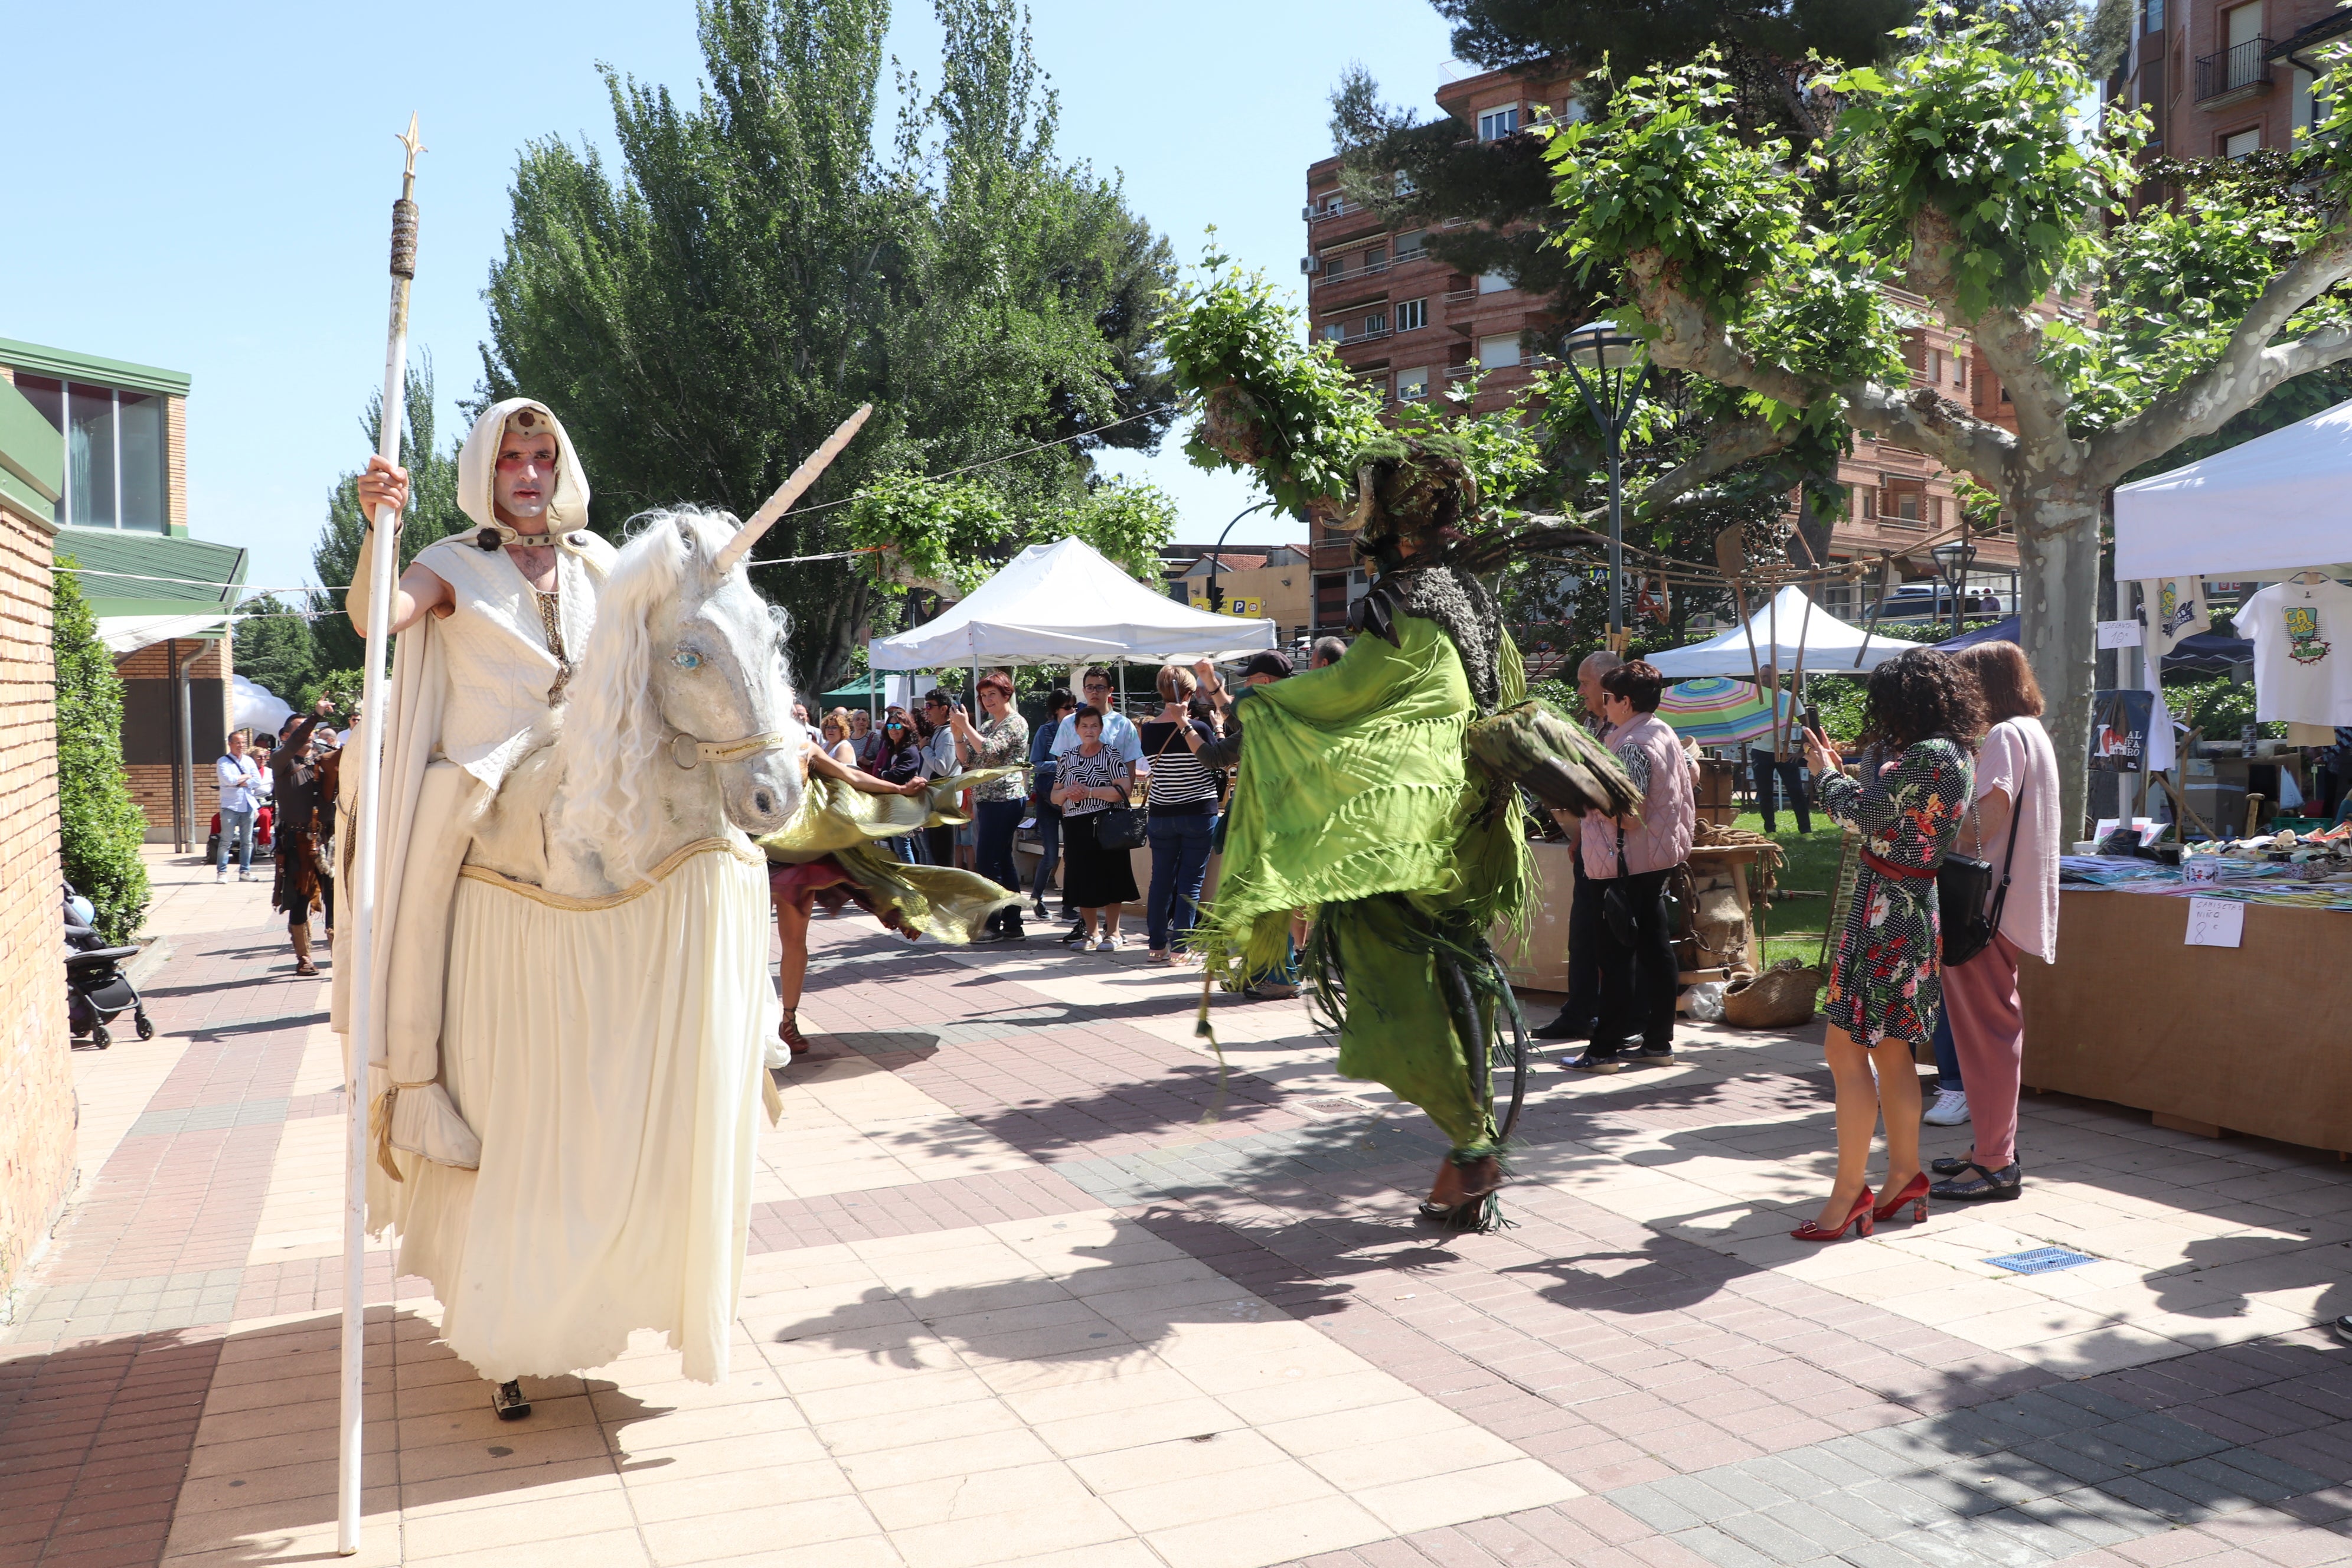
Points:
(1183, 812)
(1919, 717)
(998, 741)
(898, 757)
(2015, 827)
(1089, 782)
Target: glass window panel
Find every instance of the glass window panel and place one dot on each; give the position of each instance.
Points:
(89, 455)
(47, 396)
(142, 461)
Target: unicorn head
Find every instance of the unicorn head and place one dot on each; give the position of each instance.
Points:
(684, 674)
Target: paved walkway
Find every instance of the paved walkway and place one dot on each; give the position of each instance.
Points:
(1013, 1299)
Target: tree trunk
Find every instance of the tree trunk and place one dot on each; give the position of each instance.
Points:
(2058, 583)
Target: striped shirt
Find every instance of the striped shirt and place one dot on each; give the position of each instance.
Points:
(1181, 785)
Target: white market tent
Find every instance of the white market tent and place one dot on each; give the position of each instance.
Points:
(1063, 603)
(1830, 645)
(2268, 507)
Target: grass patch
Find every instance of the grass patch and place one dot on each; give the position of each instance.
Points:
(1811, 867)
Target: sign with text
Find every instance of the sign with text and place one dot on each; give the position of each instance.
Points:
(2119, 634)
(2216, 922)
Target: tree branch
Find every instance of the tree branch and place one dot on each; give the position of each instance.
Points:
(1732, 444)
(1691, 340)
(2010, 339)
(2249, 370)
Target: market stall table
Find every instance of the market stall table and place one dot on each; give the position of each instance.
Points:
(2209, 1039)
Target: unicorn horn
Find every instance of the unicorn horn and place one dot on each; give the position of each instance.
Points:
(776, 505)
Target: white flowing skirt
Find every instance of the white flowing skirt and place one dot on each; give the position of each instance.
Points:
(609, 1056)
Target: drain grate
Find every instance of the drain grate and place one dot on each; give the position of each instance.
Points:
(2040, 1260)
(1334, 1107)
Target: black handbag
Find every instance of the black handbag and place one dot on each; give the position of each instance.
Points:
(1617, 904)
(1968, 905)
(1120, 827)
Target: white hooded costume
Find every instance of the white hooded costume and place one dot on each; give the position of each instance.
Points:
(571, 1125)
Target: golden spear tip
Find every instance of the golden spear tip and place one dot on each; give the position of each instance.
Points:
(410, 139)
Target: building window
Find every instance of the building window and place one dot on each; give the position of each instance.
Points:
(2151, 99)
(1335, 331)
(1378, 321)
(112, 442)
(1493, 283)
(2151, 15)
(1412, 315)
(1837, 598)
(1960, 368)
(2243, 143)
(1869, 504)
(1412, 385)
(1496, 124)
(2308, 108)
(1374, 258)
(1501, 350)
(1409, 245)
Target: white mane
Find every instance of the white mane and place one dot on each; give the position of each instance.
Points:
(613, 728)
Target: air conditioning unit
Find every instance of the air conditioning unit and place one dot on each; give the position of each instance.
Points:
(1306, 212)
(1309, 264)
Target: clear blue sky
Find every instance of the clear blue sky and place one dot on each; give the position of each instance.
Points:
(208, 188)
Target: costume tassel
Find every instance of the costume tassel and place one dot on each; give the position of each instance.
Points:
(380, 1133)
(1202, 1031)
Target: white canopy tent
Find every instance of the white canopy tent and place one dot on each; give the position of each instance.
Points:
(1063, 603)
(1785, 623)
(2266, 508)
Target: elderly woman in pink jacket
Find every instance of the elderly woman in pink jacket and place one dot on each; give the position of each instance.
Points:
(1630, 860)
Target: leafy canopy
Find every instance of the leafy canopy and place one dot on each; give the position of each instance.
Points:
(100, 827)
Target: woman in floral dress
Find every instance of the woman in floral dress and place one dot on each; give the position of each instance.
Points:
(1885, 988)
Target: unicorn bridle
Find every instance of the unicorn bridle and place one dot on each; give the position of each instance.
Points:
(690, 753)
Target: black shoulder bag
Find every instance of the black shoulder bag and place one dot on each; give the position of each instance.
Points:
(1968, 904)
(1122, 827)
(1617, 904)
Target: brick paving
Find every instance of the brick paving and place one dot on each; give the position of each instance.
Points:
(1029, 1285)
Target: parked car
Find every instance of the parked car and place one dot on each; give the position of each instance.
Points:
(1925, 601)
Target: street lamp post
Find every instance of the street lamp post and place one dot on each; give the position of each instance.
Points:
(1610, 366)
(1952, 559)
(1216, 603)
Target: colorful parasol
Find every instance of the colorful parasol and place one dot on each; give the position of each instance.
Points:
(1715, 710)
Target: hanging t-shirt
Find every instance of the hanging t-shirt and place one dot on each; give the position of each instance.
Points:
(2176, 609)
(2302, 633)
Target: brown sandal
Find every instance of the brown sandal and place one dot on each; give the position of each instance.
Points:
(1460, 1198)
(789, 1031)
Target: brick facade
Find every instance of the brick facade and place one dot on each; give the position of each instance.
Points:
(37, 1096)
(2220, 79)
(150, 729)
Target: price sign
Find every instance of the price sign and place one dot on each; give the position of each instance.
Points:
(2216, 922)
(2119, 634)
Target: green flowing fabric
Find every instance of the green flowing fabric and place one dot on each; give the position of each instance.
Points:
(845, 824)
(1356, 798)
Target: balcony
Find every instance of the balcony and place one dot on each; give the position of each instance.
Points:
(1349, 340)
(1334, 271)
(2233, 75)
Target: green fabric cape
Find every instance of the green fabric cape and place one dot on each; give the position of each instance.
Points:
(1356, 798)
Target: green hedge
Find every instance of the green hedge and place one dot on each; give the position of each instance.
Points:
(100, 827)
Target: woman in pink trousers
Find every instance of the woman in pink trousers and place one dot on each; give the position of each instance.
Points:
(2015, 826)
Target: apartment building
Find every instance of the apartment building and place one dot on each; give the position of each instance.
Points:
(2221, 81)
(1406, 323)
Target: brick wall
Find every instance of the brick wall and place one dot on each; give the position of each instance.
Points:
(36, 1100)
(150, 779)
(175, 457)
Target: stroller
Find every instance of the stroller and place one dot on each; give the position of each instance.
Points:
(97, 991)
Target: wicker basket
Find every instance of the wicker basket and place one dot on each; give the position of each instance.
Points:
(1780, 998)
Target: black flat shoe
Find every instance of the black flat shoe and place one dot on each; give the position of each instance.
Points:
(1984, 1187)
(1564, 1029)
(1590, 1063)
(1953, 1164)
(510, 1403)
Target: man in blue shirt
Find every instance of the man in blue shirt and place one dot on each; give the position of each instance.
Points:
(1059, 705)
(1118, 731)
(240, 800)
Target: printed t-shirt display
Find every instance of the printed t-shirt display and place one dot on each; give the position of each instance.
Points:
(2302, 633)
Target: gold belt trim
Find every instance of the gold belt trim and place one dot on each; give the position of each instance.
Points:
(614, 901)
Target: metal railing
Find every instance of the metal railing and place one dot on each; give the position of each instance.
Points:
(2234, 69)
(1337, 209)
(1335, 269)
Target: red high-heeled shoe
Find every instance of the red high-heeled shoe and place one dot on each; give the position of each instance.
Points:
(1858, 1216)
(1915, 1193)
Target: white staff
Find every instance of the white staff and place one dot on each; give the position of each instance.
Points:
(362, 954)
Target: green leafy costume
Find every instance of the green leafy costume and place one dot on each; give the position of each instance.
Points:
(830, 850)
(1356, 797)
